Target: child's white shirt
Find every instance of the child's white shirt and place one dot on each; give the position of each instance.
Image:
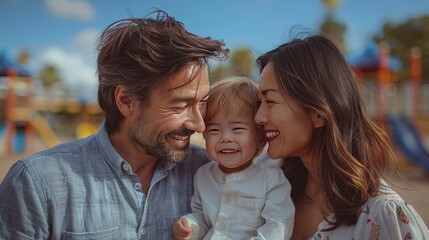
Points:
(252, 204)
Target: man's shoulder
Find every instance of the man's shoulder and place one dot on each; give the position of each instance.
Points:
(62, 154)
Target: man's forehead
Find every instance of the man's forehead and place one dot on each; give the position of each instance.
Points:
(190, 77)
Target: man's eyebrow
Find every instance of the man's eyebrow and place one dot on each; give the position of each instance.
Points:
(187, 98)
(266, 91)
(182, 99)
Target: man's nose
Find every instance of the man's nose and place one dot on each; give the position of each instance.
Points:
(195, 121)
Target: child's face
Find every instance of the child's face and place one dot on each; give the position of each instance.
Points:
(231, 140)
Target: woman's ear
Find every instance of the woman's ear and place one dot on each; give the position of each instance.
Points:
(317, 119)
(124, 101)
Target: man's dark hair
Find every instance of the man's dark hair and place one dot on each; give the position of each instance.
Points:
(141, 53)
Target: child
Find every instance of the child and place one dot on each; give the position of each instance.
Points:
(233, 197)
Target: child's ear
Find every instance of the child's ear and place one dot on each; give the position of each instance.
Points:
(317, 119)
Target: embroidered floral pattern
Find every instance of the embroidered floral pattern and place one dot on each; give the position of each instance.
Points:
(375, 231)
(386, 216)
(408, 236)
(401, 215)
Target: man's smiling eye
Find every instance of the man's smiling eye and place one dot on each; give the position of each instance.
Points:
(238, 129)
(181, 107)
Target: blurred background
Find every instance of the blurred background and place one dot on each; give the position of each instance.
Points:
(48, 82)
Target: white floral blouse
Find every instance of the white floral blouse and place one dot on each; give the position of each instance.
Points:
(386, 216)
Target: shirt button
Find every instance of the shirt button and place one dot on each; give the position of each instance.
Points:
(137, 186)
(143, 231)
(228, 197)
(222, 226)
(224, 178)
(125, 167)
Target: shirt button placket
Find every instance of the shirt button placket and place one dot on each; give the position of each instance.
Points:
(125, 167)
(137, 186)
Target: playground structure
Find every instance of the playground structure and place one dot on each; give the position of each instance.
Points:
(401, 107)
(18, 120)
(22, 124)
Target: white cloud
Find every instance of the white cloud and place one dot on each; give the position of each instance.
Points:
(73, 69)
(79, 9)
(85, 44)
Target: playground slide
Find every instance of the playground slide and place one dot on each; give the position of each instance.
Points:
(19, 140)
(45, 131)
(406, 136)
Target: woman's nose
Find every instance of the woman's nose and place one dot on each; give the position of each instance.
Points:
(261, 116)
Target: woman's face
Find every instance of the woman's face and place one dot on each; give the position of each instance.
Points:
(287, 125)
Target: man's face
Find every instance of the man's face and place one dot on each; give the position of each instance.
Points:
(173, 112)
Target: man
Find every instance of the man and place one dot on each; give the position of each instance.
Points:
(134, 177)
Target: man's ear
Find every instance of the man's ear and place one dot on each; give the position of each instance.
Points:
(317, 119)
(124, 101)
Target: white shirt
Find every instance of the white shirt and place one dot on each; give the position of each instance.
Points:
(384, 217)
(252, 204)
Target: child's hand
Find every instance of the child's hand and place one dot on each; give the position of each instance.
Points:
(181, 230)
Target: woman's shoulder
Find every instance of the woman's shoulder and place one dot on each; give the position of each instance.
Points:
(387, 203)
(385, 197)
(388, 216)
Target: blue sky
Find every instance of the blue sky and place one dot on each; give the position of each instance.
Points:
(63, 32)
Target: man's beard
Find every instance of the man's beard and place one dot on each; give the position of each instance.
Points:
(143, 140)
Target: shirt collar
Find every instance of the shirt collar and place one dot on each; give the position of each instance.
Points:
(115, 161)
(235, 177)
(109, 153)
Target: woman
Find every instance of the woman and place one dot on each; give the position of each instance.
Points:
(334, 155)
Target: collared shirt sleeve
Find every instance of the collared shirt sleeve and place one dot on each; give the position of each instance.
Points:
(22, 206)
(279, 210)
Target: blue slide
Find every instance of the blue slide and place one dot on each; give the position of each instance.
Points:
(19, 140)
(406, 136)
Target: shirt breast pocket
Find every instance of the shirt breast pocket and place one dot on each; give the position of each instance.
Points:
(109, 234)
(249, 211)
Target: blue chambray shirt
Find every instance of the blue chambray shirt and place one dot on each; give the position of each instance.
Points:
(83, 189)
